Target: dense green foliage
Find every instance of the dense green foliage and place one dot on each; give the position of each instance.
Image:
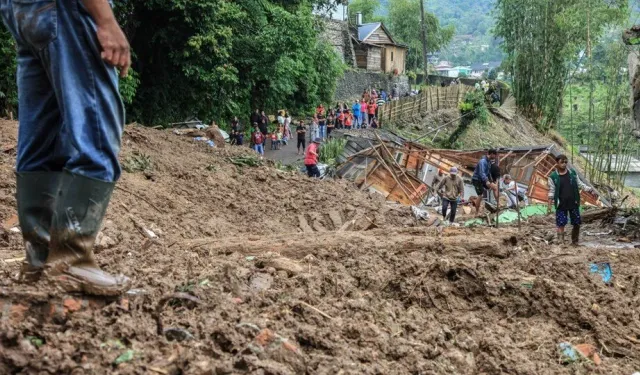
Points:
(8, 88)
(404, 22)
(473, 21)
(541, 39)
(473, 107)
(402, 17)
(215, 59)
(596, 111)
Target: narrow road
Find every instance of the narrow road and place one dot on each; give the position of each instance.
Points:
(286, 154)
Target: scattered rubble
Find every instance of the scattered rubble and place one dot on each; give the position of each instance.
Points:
(355, 284)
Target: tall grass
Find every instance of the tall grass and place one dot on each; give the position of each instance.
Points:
(330, 150)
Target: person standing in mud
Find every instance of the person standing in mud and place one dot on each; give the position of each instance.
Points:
(482, 177)
(564, 195)
(452, 194)
(69, 138)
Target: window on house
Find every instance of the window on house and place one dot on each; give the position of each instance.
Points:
(398, 157)
(391, 55)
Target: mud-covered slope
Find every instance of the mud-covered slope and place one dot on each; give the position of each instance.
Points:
(276, 280)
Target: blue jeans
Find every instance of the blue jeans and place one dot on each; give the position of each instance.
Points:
(356, 121)
(70, 111)
(364, 119)
(259, 148)
(454, 209)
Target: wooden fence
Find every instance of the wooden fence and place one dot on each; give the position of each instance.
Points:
(430, 99)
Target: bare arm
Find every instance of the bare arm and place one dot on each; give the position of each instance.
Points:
(115, 47)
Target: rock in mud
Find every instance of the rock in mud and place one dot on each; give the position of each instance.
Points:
(260, 282)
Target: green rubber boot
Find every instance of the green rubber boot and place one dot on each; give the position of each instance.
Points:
(36, 197)
(78, 216)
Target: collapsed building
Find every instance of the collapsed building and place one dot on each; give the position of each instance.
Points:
(407, 172)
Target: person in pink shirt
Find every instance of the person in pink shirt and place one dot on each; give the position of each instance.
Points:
(311, 158)
(364, 114)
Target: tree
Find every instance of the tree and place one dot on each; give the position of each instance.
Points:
(214, 58)
(368, 8)
(541, 38)
(404, 22)
(493, 74)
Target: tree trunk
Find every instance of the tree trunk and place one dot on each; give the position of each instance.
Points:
(424, 38)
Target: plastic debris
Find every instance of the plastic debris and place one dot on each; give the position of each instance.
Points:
(589, 351)
(35, 341)
(125, 357)
(568, 353)
(178, 334)
(419, 213)
(604, 270)
(113, 344)
(250, 258)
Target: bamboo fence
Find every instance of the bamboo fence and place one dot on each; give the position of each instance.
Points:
(430, 99)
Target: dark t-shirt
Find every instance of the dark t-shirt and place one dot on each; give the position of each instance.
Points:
(263, 128)
(302, 134)
(565, 193)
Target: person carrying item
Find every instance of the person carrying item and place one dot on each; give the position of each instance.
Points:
(311, 158)
(564, 195)
(70, 133)
(452, 192)
(482, 177)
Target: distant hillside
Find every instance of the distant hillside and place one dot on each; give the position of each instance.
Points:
(474, 42)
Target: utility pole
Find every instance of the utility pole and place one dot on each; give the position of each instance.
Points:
(424, 38)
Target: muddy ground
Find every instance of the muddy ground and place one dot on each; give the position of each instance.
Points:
(279, 274)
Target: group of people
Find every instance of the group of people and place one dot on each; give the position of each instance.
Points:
(564, 192)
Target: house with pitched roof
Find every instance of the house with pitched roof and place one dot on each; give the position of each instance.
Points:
(376, 50)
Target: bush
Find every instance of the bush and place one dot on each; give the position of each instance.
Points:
(331, 150)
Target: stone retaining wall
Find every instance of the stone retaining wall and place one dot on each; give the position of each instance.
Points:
(353, 83)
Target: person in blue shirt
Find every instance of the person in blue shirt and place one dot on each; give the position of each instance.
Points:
(482, 177)
(356, 113)
(383, 95)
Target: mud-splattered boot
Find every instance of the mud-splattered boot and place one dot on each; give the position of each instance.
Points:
(36, 197)
(80, 209)
(575, 235)
(561, 238)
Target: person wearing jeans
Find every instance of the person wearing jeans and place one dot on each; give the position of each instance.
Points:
(451, 189)
(69, 138)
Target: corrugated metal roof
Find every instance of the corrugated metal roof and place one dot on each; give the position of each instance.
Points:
(367, 29)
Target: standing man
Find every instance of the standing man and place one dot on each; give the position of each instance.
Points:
(301, 130)
(71, 124)
(364, 113)
(482, 178)
(394, 92)
(564, 194)
(356, 113)
(255, 117)
(452, 194)
(311, 158)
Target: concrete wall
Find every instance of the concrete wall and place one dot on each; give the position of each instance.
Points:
(353, 83)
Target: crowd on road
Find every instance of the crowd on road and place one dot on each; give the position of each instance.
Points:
(361, 114)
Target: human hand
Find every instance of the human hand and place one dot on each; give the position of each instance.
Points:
(115, 47)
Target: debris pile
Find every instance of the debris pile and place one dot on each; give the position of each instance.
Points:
(243, 268)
